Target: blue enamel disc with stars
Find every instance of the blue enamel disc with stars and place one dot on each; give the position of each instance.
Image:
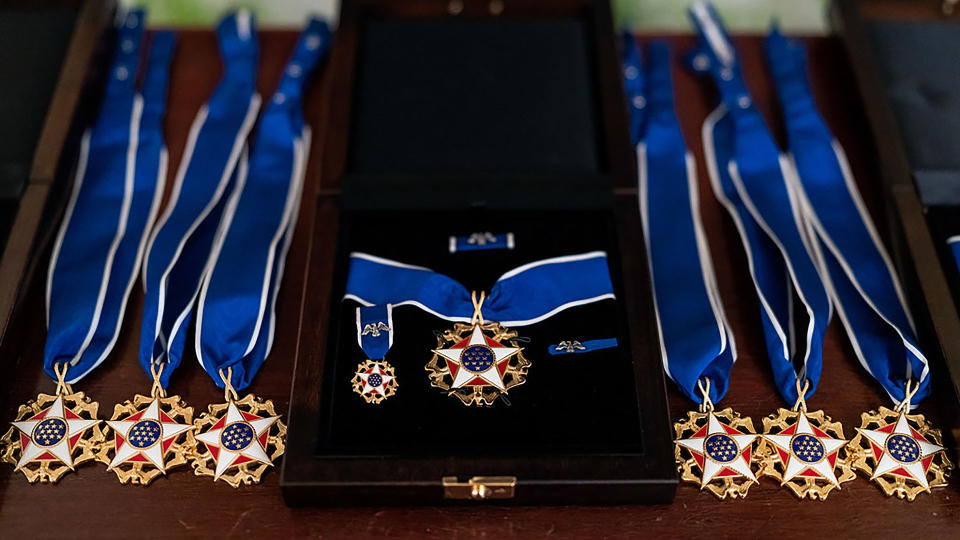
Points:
(237, 436)
(477, 358)
(144, 434)
(807, 448)
(49, 432)
(721, 448)
(903, 448)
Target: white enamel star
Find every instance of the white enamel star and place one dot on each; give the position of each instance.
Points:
(711, 467)
(60, 448)
(795, 465)
(242, 452)
(491, 374)
(375, 389)
(127, 447)
(888, 462)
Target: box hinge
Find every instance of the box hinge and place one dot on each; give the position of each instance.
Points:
(479, 488)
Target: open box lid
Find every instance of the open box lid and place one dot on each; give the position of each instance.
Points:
(519, 108)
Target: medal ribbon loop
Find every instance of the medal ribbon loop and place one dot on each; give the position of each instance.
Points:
(116, 191)
(236, 304)
(695, 338)
(753, 181)
(857, 269)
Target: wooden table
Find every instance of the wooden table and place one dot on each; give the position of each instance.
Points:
(92, 502)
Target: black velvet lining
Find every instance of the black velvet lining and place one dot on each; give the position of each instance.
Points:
(570, 404)
(480, 96)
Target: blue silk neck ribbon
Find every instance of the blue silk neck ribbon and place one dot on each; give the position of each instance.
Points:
(525, 295)
(184, 236)
(236, 306)
(859, 274)
(696, 343)
(116, 192)
(751, 179)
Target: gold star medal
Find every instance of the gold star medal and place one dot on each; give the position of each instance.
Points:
(903, 453)
(714, 449)
(53, 434)
(477, 362)
(374, 381)
(149, 435)
(242, 438)
(804, 450)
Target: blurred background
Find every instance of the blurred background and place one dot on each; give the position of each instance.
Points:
(799, 16)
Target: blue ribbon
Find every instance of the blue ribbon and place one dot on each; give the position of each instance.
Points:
(696, 342)
(185, 234)
(523, 296)
(375, 330)
(751, 179)
(864, 284)
(116, 192)
(578, 347)
(236, 307)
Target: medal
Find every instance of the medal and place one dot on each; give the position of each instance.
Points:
(374, 381)
(714, 449)
(472, 364)
(242, 437)
(903, 453)
(149, 435)
(53, 434)
(804, 450)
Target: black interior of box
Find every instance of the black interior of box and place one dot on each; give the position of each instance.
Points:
(921, 88)
(918, 64)
(474, 125)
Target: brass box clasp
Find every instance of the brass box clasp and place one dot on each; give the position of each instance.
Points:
(479, 488)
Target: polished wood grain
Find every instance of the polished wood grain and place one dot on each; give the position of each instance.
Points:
(91, 502)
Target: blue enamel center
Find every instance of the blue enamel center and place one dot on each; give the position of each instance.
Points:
(807, 448)
(375, 380)
(721, 447)
(144, 434)
(49, 432)
(903, 448)
(237, 436)
(477, 358)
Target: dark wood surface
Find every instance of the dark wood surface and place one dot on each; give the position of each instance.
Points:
(92, 502)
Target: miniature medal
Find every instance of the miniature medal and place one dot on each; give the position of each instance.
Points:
(903, 453)
(472, 363)
(804, 450)
(374, 381)
(242, 437)
(53, 434)
(149, 436)
(719, 446)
